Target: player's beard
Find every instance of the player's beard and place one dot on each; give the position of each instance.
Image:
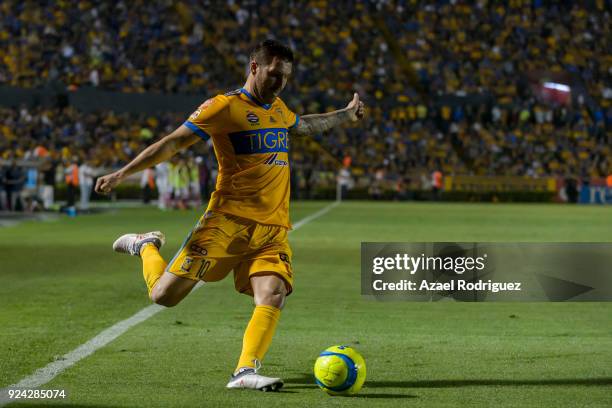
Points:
(270, 95)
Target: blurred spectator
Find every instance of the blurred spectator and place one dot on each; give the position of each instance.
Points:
(179, 177)
(571, 189)
(344, 182)
(377, 187)
(194, 181)
(47, 190)
(71, 176)
(30, 198)
(436, 184)
(4, 206)
(164, 187)
(86, 178)
(147, 184)
(14, 178)
(425, 182)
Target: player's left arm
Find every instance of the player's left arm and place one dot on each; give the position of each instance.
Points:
(318, 123)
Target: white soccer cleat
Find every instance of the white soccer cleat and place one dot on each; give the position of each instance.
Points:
(132, 243)
(249, 379)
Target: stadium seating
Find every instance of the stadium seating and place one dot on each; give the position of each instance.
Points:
(493, 125)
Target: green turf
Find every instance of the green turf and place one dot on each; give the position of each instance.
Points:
(60, 285)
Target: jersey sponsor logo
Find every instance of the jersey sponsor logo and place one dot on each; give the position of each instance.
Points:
(196, 249)
(203, 106)
(281, 163)
(203, 268)
(268, 140)
(272, 160)
(251, 117)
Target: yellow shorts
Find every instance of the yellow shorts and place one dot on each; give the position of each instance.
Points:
(221, 242)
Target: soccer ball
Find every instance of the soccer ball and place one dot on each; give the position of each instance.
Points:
(340, 370)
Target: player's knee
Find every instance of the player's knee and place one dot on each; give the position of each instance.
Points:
(163, 298)
(275, 298)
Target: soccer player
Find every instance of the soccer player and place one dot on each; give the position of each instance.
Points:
(245, 226)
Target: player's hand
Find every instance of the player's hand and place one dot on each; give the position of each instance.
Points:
(105, 184)
(355, 108)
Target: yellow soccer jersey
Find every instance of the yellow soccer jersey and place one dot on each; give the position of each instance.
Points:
(251, 143)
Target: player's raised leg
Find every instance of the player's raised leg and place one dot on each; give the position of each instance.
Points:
(269, 292)
(164, 288)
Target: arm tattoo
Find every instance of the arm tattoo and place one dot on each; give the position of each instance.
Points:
(318, 123)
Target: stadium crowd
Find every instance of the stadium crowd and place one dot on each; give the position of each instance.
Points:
(44, 147)
(485, 55)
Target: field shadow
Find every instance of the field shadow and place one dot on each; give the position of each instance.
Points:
(379, 396)
(50, 403)
(591, 382)
(305, 381)
(299, 386)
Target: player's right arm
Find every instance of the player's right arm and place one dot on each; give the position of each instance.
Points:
(158, 152)
(204, 122)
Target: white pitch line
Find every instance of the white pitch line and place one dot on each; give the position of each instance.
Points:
(51, 370)
(318, 214)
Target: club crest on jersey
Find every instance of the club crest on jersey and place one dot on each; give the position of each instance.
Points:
(187, 264)
(252, 118)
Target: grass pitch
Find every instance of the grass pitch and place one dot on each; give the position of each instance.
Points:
(60, 285)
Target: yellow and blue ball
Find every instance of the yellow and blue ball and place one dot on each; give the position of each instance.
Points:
(340, 370)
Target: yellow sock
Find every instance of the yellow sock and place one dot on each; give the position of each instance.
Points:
(153, 265)
(258, 335)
